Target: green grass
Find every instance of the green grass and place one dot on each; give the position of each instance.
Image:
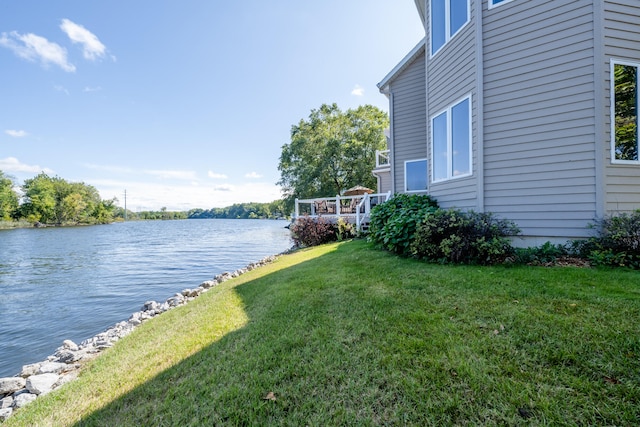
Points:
(346, 335)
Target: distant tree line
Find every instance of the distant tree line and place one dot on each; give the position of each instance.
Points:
(53, 201)
(272, 210)
(162, 214)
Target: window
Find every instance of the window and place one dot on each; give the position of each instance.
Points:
(415, 175)
(624, 113)
(451, 142)
(447, 18)
(494, 3)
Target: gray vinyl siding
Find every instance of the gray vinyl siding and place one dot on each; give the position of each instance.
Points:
(622, 42)
(409, 118)
(451, 76)
(539, 115)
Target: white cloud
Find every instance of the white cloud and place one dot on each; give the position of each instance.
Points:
(59, 88)
(35, 48)
(108, 168)
(153, 196)
(223, 187)
(92, 89)
(253, 175)
(11, 164)
(172, 174)
(358, 91)
(16, 133)
(92, 47)
(214, 175)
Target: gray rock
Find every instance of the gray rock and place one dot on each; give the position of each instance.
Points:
(70, 345)
(23, 399)
(11, 384)
(52, 368)
(5, 413)
(41, 384)
(7, 402)
(28, 370)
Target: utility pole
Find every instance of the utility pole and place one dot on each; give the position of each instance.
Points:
(125, 204)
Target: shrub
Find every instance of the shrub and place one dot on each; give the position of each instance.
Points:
(616, 243)
(463, 237)
(307, 231)
(393, 224)
(544, 254)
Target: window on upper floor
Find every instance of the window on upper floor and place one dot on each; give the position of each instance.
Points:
(447, 18)
(494, 3)
(624, 112)
(451, 142)
(415, 175)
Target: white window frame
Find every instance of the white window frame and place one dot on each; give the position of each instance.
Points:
(615, 62)
(448, 35)
(450, 176)
(406, 190)
(492, 3)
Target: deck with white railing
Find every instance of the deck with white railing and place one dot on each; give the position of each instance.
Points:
(353, 209)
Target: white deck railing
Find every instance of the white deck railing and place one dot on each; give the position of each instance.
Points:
(354, 209)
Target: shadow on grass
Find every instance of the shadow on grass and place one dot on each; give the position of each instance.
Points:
(255, 375)
(360, 337)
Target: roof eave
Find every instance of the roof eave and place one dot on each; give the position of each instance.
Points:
(406, 61)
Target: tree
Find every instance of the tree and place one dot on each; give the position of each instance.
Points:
(56, 201)
(332, 151)
(8, 198)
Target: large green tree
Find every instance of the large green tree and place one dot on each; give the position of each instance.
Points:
(8, 198)
(56, 201)
(332, 151)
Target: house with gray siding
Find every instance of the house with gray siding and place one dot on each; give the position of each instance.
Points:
(527, 109)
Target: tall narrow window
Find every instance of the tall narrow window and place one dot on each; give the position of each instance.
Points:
(451, 142)
(415, 175)
(447, 18)
(625, 130)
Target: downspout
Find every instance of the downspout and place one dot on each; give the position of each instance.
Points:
(479, 107)
(600, 113)
(392, 145)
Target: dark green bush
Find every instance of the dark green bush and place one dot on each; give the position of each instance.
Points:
(546, 253)
(393, 224)
(455, 236)
(616, 243)
(307, 231)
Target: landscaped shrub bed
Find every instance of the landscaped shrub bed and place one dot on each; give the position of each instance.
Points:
(393, 224)
(455, 236)
(616, 243)
(307, 231)
(414, 226)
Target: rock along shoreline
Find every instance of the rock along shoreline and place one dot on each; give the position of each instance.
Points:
(64, 365)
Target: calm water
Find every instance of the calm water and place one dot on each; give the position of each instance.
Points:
(72, 283)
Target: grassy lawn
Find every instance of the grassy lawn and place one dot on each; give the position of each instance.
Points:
(346, 335)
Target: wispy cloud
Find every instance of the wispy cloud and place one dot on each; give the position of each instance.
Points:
(108, 168)
(214, 175)
(253, 175)
(12, 164)
(92, 47)
(35, 48)
(92, 89)
(223, 187)
(358, 91)
(172, 174)
(185, 196)
(16, 133)
(60, 88)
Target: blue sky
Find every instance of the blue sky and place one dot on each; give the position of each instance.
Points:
(183, 104)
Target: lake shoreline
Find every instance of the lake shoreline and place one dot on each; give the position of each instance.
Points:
(64, 365)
